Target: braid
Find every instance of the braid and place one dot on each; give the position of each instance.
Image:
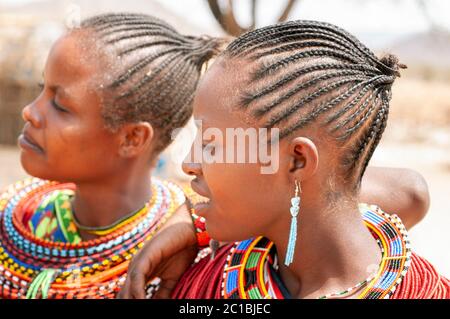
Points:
(309, 98)
(357, 99)
(308, 71)
(310, 39)
(306, 54)
(299, 87)
(155, 71)
(347, 70)
(380, 125)
(107, 20)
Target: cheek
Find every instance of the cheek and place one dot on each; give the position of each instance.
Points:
(69, 144)
(243, 200)
(75, 152)
(82, 141)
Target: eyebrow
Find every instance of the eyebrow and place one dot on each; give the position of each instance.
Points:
(59, 89)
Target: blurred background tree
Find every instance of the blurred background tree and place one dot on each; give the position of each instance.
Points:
(224, 13)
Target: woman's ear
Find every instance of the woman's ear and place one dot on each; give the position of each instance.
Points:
(135, 138)
(304, 158)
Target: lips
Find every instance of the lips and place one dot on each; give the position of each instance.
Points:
(28, 142)
(198, 188)
(202, 204)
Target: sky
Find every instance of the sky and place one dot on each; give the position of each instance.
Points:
(400, 16)
(372, 20)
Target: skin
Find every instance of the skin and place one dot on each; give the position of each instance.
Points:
(243, 204)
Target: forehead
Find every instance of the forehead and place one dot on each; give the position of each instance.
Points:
(73, 58)
(217, 100)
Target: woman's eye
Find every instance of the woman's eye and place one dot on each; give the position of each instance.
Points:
(57, 107)
(41, 86)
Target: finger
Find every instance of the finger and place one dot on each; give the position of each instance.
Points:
(137, 284)
(165, 289)
(125, 291)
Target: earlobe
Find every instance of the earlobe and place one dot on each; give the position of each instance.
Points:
(305, 157)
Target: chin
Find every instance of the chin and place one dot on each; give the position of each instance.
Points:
(36, 169)
(226, 234)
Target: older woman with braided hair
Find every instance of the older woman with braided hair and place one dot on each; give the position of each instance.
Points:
(300, 232)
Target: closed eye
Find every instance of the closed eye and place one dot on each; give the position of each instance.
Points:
(57, 107)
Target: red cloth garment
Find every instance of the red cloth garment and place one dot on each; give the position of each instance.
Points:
(204, 279)
(248, 269)
(422, 281)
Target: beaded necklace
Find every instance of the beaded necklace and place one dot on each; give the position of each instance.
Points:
(350, 290)
(105, 230)
(86, 269)
(247, 272)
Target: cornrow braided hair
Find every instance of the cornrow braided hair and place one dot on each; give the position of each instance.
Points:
(308, 71)
(156, 71)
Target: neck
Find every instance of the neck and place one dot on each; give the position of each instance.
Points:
(102, 203)
(334, 250)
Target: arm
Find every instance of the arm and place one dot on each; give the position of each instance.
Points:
(167, 256)
(396, 190)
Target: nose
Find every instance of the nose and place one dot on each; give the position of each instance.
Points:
(30, 114)
(191, 167)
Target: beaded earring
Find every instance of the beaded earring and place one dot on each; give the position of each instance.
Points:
(295, 209)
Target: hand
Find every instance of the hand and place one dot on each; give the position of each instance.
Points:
(167, 256)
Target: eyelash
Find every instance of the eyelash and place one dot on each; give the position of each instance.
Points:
(53, 102)
(57, 107)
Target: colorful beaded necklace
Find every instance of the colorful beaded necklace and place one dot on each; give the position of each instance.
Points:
(35, 267)
(250, 263)
(102, 231)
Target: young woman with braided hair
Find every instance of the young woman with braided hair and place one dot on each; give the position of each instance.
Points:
(114, 90)
(328, 95)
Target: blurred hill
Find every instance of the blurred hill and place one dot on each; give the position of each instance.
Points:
(426, 54)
